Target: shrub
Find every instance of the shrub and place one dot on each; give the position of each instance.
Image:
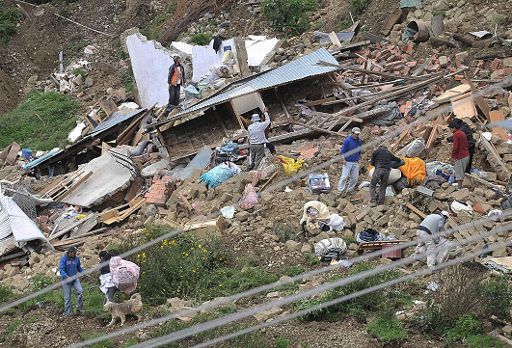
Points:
(42, 121)
(153, 29)
(284, 232)
(387, 329)
(5, 293)
(311, 259)
(84, 336)
(282, 342)
(9, 18)
(497, 295)
(186, 267)
(292, 271)
(358, 306)
(467, 325)
(201, 39)
(358, 6)
(483, 341)
(11, 327)
(289, 16)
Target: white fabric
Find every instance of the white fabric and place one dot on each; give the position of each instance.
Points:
(431, 245)
(106, 282)
(336, 222)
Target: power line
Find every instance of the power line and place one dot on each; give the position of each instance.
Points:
(250, 292)
(363, 292)
(292, 298)
(178, 231)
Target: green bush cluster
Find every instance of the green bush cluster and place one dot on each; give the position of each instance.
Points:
(189, 268)
(358, 6)
(42, 121)
(387, 328)
(5, 293)
(359, 306)
(9, 17)
(289, 16)
(201, 39)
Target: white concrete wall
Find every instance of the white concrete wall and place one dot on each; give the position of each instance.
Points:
(150, 65)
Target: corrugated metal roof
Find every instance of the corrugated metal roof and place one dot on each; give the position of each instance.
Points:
(116, 118)
(299, 69)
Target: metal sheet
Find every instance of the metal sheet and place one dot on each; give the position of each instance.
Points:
(299, 69)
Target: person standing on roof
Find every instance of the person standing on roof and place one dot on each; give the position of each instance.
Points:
(69, 267)
(175, 79)
(257, 139)
(351, 152)
(383, 160)
(460, 152)
(429, 239)
(463, 126)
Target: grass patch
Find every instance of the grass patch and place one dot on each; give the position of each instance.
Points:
(289, 16)
(282, 342)
(9, 17)
(42, 122)
(497, 295)
(152, 31)
(5, 293)
(80, 71)
(357, 307)
(311, 259)
(11, 327)
(387, 329)
(466, 326)
(483, 341)
(358, 6)
(292, 271)
(84, 336)
(200, 39)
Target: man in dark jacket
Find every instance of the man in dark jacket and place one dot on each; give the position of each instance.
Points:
(383, 161)
(464, 127)
(69, 268)
(175, 79)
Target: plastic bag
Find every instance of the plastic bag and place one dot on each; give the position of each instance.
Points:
(290, 165)
(415, 148)
(249, 198)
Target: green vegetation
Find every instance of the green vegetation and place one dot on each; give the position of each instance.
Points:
(311, 259)
(497, 295)
(282, 342)
(5, 293)
(292, 271)
(42, 122)
(483, 341)
(80, 71)
(84, 336)
(284, 232)
(152, 31)
(9, 17)
(359, 306)
(201, 39)
(11, 327)
(189, 268)
(388, 329)
(466, 326)
(289, 16)
(358, 6)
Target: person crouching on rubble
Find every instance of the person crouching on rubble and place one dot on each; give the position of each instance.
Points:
(257, 139)
(69, 267)
(460, 152)
(175, 79)
(429, 239)
(350, 171)
(383, 160)
(317, 218)
(107, 285)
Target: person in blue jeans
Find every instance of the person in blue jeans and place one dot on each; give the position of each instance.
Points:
(69, 267)
(350, 172)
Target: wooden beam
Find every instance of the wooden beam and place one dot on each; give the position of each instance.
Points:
(320, 101)
(318, 129)
(283, 105)
(416, 211)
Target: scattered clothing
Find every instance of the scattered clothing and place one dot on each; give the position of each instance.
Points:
(217, 175)
(217, 42)
(249, 198)
(369, 235)
(290, 165)
(330, 249)
(414, 170)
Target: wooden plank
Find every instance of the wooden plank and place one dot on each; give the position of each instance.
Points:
(320, 101)
(271, 54)
(73, 187)
(416, 211)
(480, 102)
(318, 129)
(283, 105)
(128, 132)
(108, 106)
(463, 106)
(268, 181)
(71, 227)
(496, 116)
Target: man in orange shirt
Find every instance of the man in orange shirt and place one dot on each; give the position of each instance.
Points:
(175, 79)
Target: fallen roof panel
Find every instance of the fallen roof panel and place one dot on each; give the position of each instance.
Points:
(299, 69)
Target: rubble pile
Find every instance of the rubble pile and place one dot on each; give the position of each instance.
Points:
(134, 164)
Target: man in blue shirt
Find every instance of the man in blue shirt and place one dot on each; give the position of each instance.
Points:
(69, 267)
(350, 172)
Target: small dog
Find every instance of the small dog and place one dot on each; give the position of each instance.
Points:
(119, 310)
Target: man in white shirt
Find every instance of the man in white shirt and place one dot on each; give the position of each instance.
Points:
(257, 139)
